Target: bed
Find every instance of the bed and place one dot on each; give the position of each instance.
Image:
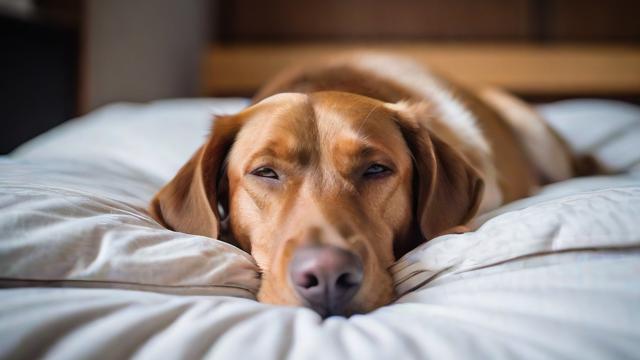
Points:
(87, 273)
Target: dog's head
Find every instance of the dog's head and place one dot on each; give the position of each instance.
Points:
(325, 190)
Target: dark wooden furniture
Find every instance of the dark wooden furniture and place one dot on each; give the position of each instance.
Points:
(540, 49)
(38, 69)
(249, 21)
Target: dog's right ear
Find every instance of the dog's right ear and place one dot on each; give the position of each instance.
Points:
(189, 202)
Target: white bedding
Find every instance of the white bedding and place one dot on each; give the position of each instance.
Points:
(87, 273)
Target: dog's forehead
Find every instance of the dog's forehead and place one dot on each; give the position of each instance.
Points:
(281, 114)
(340, 114)
(282, 126)
(277, 124)
(308, 122)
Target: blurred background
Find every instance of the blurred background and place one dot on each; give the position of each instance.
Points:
(63, 58)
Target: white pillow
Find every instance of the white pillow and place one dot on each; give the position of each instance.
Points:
(72, 205)
(608, 130)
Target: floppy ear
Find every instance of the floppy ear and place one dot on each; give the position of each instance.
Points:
(189, 202)
(448, 188)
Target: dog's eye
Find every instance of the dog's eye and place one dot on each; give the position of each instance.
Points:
(376, 170)
(265, 172)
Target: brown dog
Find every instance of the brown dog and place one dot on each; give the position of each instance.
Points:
(340, 168)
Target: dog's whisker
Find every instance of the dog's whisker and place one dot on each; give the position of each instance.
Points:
(366, 118)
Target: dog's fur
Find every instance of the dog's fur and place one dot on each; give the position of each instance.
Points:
(451, 152)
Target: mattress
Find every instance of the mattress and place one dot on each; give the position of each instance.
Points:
(87, 273)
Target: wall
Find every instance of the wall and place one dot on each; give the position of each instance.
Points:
(142, 50)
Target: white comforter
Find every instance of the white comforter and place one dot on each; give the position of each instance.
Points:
(88, 274)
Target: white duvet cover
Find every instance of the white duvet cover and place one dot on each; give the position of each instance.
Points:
(88, 274)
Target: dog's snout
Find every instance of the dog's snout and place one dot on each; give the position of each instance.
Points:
(326, 277)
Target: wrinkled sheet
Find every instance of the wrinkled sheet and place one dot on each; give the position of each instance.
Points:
(551, 276)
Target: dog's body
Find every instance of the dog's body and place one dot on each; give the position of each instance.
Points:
(339, 168)
(503, 138)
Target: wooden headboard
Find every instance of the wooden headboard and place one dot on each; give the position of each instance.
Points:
(537, 48)
(529, 70)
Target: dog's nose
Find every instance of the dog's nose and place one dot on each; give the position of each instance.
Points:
(326, 277)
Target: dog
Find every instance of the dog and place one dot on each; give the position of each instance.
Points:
(341, 167)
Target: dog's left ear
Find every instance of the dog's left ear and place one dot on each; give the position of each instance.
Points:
(189, 202)
(449, 189)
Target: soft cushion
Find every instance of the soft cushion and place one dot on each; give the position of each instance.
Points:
(73, 205)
